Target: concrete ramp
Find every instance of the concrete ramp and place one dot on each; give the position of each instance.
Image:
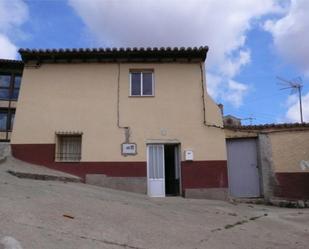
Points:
(22, 169)
(5, 151)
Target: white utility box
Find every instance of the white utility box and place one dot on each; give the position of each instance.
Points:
(128, 149)
(189, 156)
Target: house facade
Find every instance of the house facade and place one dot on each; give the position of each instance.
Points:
(10, 79)
(132, 119)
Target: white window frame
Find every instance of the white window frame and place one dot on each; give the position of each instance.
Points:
(141, 93)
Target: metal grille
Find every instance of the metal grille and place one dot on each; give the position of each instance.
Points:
(69, 148)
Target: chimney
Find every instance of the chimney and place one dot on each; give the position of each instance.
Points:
(221, 108)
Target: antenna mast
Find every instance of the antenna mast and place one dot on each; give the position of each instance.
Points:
(295, 85)
(249, 118)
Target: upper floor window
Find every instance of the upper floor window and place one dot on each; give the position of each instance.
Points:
(9, 86)
(141, 83)
(6, 119)
(16, 87)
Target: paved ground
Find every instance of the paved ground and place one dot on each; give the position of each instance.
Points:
(52, 215)
(24, 169)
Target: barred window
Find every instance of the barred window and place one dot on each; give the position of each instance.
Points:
(69, 148)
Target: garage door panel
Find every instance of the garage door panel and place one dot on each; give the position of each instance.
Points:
(244, 180)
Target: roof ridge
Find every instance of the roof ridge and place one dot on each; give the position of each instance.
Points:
(270, 125)
(129, 54)
(113, 49)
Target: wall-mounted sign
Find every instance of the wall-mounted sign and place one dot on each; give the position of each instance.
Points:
(128, 149)
(189, 156)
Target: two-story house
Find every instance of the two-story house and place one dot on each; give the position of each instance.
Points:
(135, 119)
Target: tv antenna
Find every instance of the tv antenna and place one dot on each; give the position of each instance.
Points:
(295, 85)
(250, 118)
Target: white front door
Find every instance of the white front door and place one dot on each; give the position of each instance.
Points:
(155, 170)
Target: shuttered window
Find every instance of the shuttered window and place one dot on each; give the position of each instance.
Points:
(69, 148)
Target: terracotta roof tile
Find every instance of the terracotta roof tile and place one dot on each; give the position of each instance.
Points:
(112, 54)
(268, 126)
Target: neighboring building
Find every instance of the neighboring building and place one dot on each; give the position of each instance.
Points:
(270, 161)
(133, 119)
(10, 78)
(231, 121)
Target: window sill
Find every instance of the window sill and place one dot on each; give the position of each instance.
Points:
(141, 96)
(67, 161)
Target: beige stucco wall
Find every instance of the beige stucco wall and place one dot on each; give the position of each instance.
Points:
(83, 97)
(289, 149)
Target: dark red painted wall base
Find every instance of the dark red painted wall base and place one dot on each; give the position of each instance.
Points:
(195, 174)
(292, 185)
(204, 174)
(44, 154)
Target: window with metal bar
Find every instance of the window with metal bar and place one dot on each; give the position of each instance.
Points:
(69, 148)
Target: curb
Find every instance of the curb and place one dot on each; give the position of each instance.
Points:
(256, 201)
(289, 203)
(42, 177)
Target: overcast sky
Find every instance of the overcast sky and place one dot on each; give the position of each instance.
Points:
(251, 41)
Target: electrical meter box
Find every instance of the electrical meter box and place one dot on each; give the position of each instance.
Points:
(189, 155)
(128, 149)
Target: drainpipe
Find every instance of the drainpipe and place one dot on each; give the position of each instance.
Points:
(203, 99)
(125, 128)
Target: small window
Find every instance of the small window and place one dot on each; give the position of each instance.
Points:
(141, 83)
(15, 92)
(5, 80)
(4, 93)
(6, 119)
(3, 121)
(17, 81)
(69, 148)
(9, 86)
(12, 121)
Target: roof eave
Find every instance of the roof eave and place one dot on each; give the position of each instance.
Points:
(11, 64)
(116, 55)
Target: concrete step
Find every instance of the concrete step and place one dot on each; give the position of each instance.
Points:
(21, 169)
(5, 150)
(255, 200)
(43, 177)
(280, 202)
